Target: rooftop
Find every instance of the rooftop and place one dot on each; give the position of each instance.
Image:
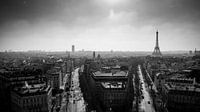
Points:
(18, 72)
(181, 80)
(113, 67)
(113, 85)
(54, 71)
(182, 88)
(117, 74)
(33, 89)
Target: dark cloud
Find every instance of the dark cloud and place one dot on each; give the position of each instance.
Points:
(11, 10)
(20, 18)
(66, 11)
(148, 11)
(172, 11)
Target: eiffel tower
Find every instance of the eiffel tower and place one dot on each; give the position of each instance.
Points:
(156, 52)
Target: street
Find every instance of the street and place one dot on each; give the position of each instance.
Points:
(146, 104)
(76, 101)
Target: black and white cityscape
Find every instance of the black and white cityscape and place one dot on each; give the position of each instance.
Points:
(99, 56)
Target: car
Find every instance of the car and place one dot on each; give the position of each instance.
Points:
(148, 102)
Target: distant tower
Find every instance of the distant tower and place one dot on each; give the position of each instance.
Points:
(69, 55)
(156, 52)
(190, 52)
(94, 56)
(98, 56)
(73, 48)
(196, 52)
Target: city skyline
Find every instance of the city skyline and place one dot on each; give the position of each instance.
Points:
(119, 25)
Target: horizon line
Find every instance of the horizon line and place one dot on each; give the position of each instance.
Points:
(93, 51)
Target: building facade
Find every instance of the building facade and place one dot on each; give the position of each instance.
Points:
(113, 89)
(31, 98)
(73, 48)
(54, 78)
(10, 78)
(178, 97)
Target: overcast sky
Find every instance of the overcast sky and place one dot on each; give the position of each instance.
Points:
(127, 25)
